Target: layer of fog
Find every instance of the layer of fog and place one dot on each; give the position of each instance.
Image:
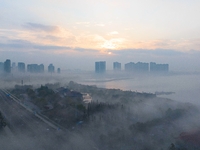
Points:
(185, 86)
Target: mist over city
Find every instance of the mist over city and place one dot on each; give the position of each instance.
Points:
(99, 75)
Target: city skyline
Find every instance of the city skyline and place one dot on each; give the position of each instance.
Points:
(22, 67)
(81, 32)
(100, 67)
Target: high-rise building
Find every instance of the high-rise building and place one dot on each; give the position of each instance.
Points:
(58, 70)
(13, 65)
(137, 67)
(7, 66)
(51, 68)
(129, 66)
(158, 67)
(32, 68)
(35, 68)
(41, 68)
(116, 66)
(142, 67)
(1, 66)
(21, 67)
(100, 67)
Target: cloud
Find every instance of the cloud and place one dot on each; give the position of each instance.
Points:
(100, 24)
(50, 37)
(79, 49)
(16, 44)
(85, 23)
(155, 52)
(113, 33)
(23, 44)
(108, 45)
(40, 27)
(114, 43)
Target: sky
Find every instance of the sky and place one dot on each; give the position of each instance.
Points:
(75, 34)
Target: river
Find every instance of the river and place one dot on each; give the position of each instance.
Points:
(186, 87)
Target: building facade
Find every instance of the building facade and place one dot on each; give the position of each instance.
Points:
(116, 66)
(137, 67)
(35, 68)
(21, 67)
(1, 66)
(58, 70)
(100, 67)
(7, 66)
(158, 67)
(51, 68)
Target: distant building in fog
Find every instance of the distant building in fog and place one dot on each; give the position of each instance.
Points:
(116, 66)
(1, 66)
(21, 67)
(158, 67)
(35, 68)
(32, 68)
(137, 67)
(100, 67)
(7, 66)
(13, 65)
(51, 68)
(58, 70)
(129, 66)
(41, 68)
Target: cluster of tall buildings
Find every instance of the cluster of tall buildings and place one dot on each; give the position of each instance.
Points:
(34, 68)
(6, 67)
(100, 67)
(138, 67)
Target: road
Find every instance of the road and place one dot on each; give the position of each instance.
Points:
(25, 130)
(29, 130)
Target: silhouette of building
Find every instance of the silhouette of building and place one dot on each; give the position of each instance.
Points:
(1, 66)
(58, 70)
(129, 66)
(21, 67)
(7, 66)
(32, 68)
(35, 68)
(116, 66)
(41, 68)
(14, 67)
(158, 67)
(142, 67)
(137, 67)
(100, 67)
(51, 68)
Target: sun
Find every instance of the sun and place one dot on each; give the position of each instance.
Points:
(109, 53)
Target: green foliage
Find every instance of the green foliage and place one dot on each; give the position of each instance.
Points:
(31, 93)
(172, 147)
(81, 107)
(44, 91)
(2, 121)
(173, 114)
